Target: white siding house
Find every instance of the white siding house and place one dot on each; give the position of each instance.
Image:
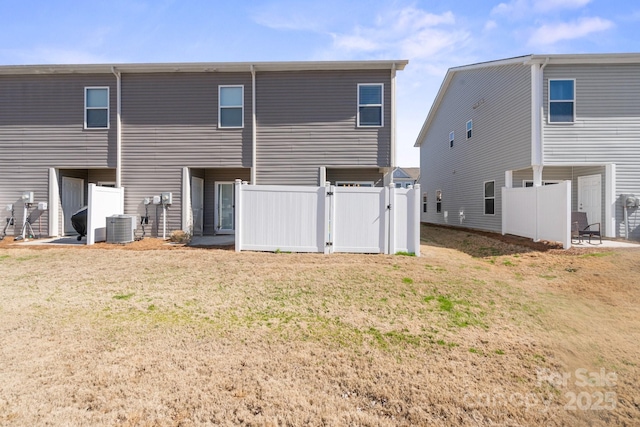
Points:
(530, 121)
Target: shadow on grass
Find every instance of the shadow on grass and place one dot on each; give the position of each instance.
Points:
(480, 244)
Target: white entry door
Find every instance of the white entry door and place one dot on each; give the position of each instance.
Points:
(72, 200)
(590, 197)
(225, 207)
(197, 204)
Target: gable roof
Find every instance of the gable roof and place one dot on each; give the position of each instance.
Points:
(597, 58)
(204, 67)
(406, 173)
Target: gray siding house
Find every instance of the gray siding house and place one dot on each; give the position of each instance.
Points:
(530, 121)
(190, 129)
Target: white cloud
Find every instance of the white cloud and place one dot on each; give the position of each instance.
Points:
(548, 5)
(410, 32)
(549, 34)
(523, 8)
(490, 25)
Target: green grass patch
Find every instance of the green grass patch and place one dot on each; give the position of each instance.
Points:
(123, 297)
(407, 280)
(405, 253)
(596, 254)
(4, 257)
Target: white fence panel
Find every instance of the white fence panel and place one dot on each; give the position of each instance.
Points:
(102, 202)
(326, 219)
(405, 220)
(519, 211)
(270, 217)
(360, 219)
(554, 213)
(539, 213)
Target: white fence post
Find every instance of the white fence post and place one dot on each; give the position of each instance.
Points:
(391, 208)
(238, 214)
(414, 220)
(326, 223)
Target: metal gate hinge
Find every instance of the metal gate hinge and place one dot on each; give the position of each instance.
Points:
(329, 243)
(329, 193)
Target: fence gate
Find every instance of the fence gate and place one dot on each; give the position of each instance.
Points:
(359, 219)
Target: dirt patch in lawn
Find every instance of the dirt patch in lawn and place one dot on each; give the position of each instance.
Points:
(477, 331)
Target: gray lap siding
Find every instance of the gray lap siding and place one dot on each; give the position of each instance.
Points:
(42, 127)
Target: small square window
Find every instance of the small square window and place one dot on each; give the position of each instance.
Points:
(96, 107)
(370, 112)
(489, 197)
(451, 138)
(438, 201)
(231, 107)
(469, 128)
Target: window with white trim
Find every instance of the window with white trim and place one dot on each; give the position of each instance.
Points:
(370, 111)
(231, 106)
(489, 197)
(469, 129)
(354, 183)
(438, 201)
(451, 138)
(562, 99)
(424, 202)
(96, 108)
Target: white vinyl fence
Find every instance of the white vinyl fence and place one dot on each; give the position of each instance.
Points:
(539, 213)
(327, 219)
(103, 202)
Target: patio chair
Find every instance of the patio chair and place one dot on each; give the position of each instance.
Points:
(580, 227)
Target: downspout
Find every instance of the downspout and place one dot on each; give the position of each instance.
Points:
(118, 127)
(393, 119)
(254, 131)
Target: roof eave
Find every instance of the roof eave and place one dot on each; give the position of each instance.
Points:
(190, 67)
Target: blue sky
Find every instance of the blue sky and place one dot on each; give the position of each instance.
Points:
(432, 35)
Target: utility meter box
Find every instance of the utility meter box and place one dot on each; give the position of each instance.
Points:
(42, 206)
(27, 196)
(156, 200)
(167, 198)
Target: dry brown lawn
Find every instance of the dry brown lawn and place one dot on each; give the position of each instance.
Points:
(476, 331)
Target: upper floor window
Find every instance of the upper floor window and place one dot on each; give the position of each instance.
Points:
(424, 202)
(489, 197)
(96, 107)
(231, 106)
(370, 104)
(469, 128)
(562, 101)
(451, 138)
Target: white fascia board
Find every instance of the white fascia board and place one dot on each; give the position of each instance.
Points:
(204, 67)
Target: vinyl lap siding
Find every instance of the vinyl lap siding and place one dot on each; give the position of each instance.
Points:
(42, 126)
(308, 119)
(170, 121)
(501, 141)
(606, 130)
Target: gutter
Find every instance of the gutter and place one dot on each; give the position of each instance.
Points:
(118, 127)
